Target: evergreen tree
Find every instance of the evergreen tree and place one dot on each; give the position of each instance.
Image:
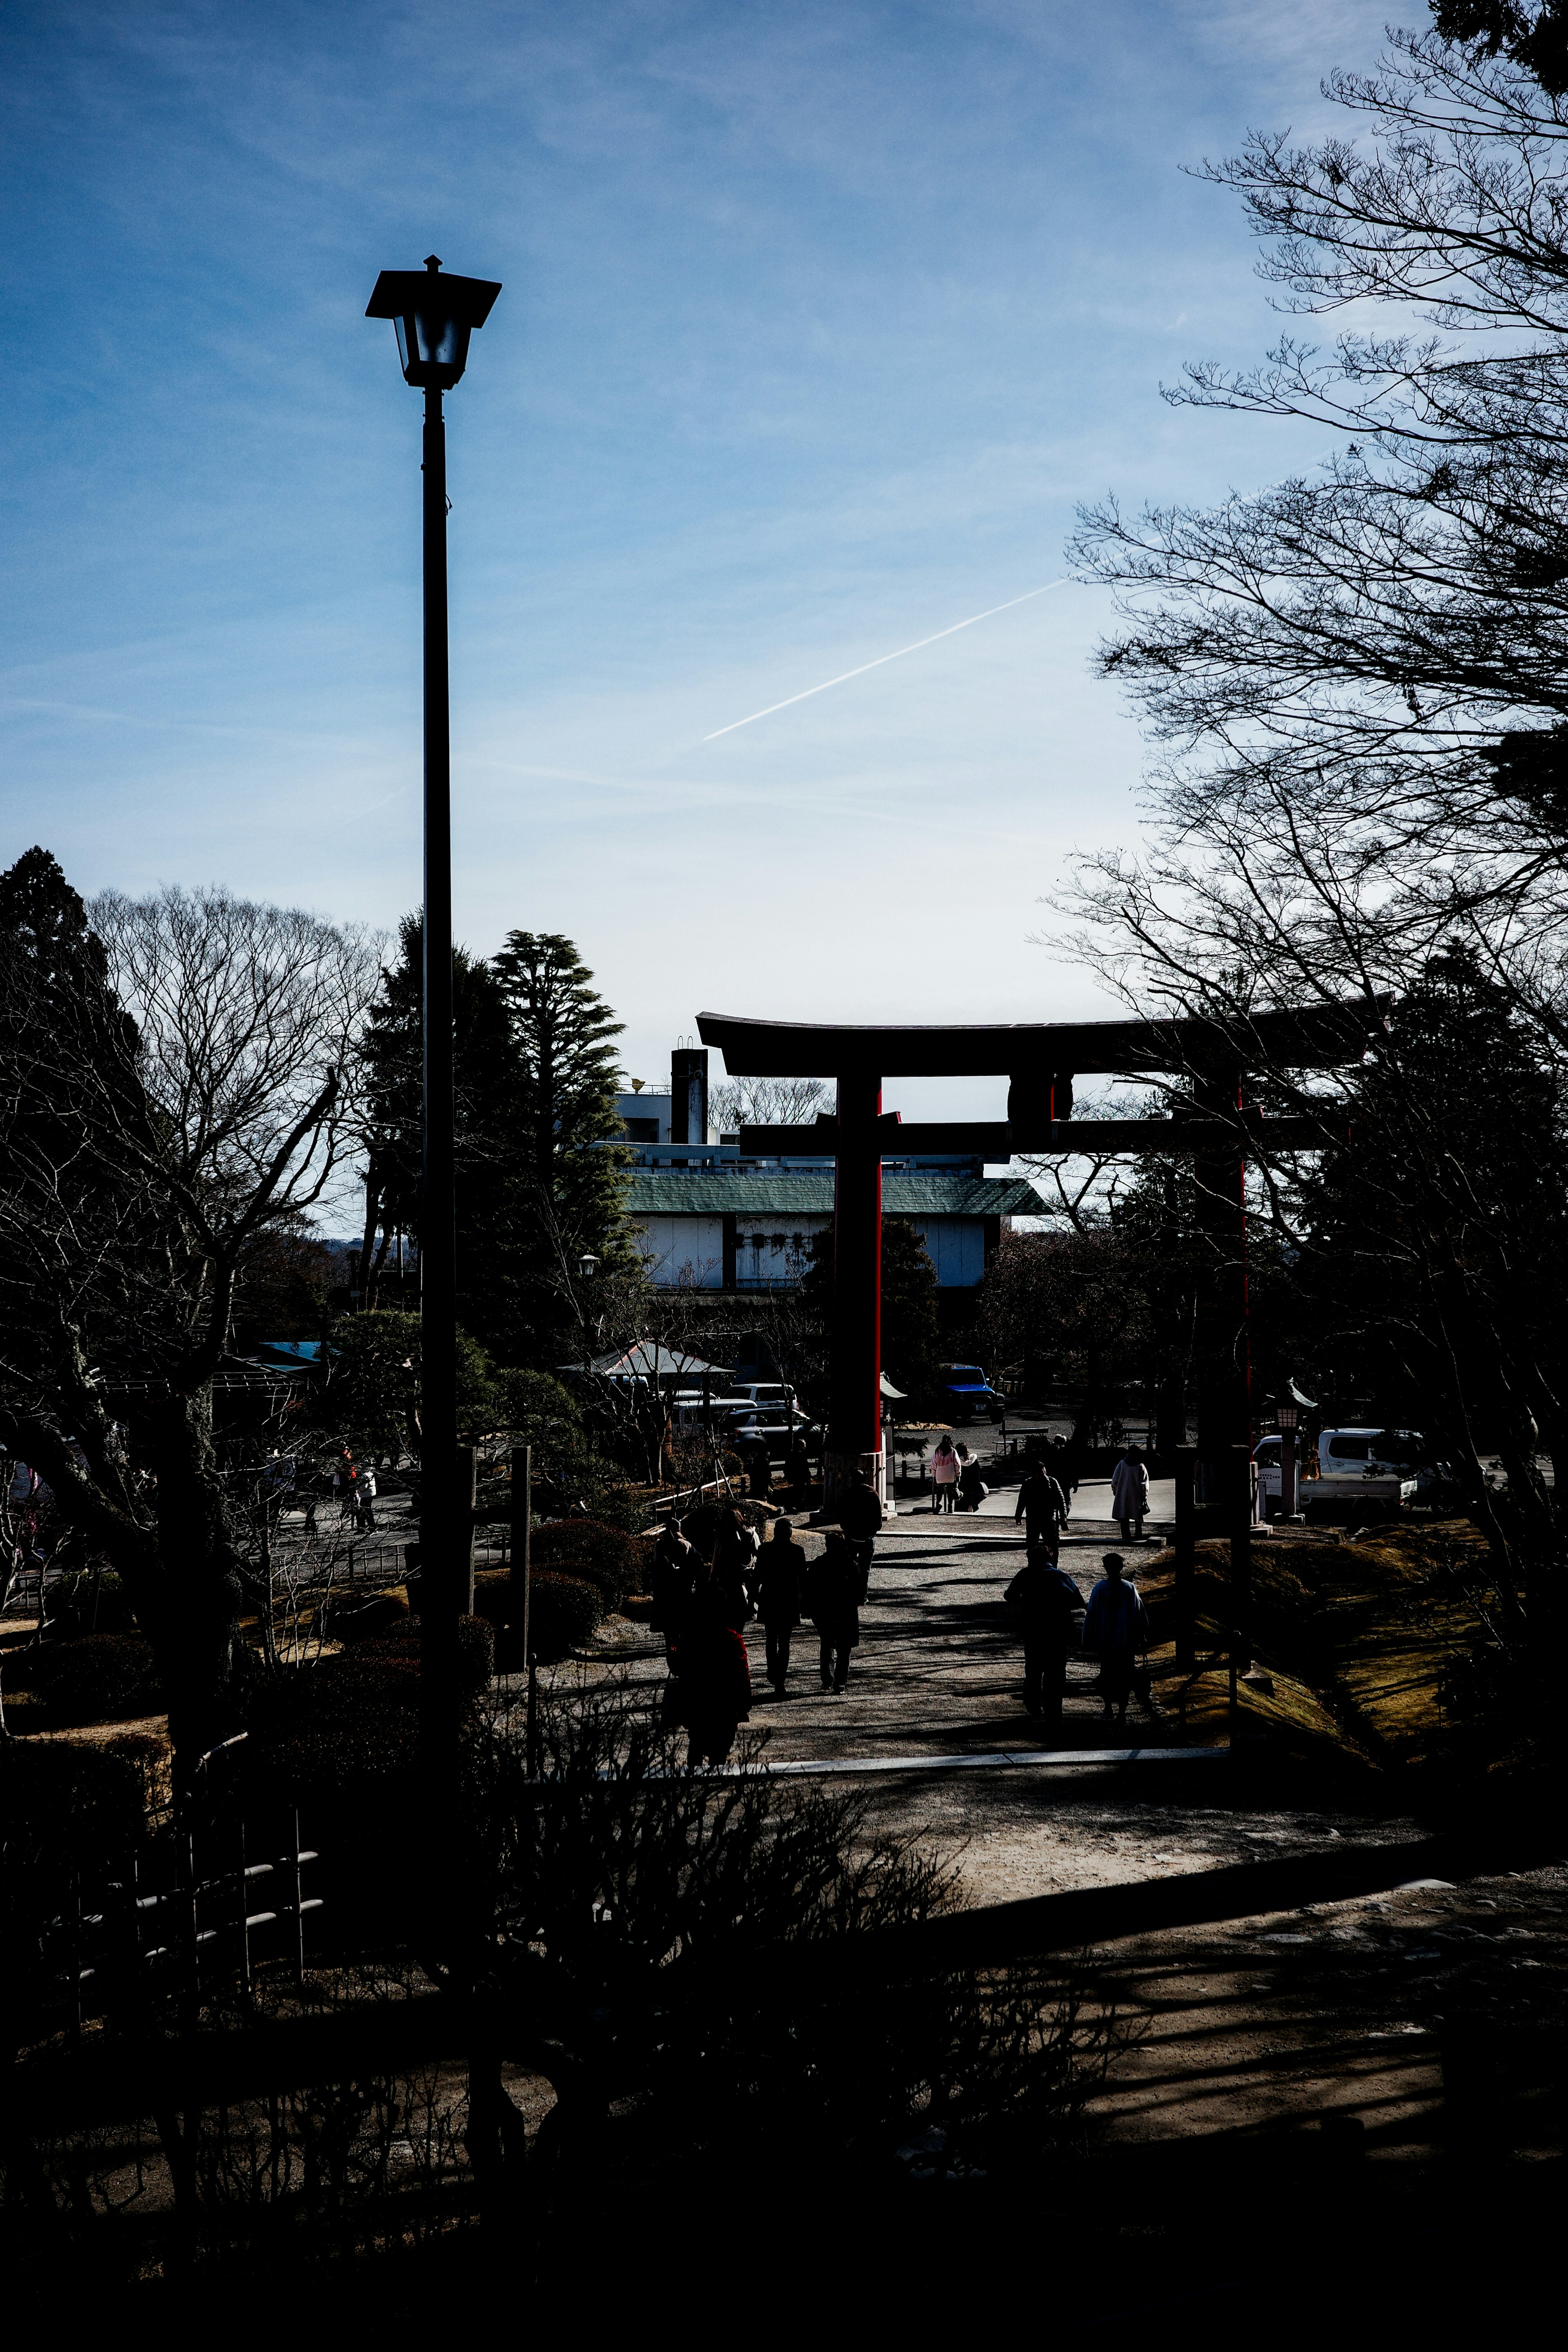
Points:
(394, 1056)
(564, 1182)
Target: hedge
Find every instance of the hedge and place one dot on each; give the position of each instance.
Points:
(59, 1798)
(615, 1563)
(73, 1601)
(562, 1612)
(359, 1621)
(342, 1730)
(98, 1678)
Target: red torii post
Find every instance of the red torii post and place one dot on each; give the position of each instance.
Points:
(854, 1390)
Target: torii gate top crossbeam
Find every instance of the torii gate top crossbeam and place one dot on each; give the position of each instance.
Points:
(1320, 1036)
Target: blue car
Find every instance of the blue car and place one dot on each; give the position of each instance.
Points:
(966, 1390)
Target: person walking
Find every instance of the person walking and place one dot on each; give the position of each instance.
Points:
(1042, 1507)
(673, 1581)
(860, 1518)
(345, 1482)
(1130, 1495)
(366, 1496)
(972, 1488)
(759, 1464)
(781, 1569)
(715, 1678)
(833, 1598)
(797, 1472)
(945, 1469)
(735, 1568)
(1115, 1627)
(1061, 1461)
(1047, 1600)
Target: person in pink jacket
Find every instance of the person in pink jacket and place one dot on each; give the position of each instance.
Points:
(945, 1469)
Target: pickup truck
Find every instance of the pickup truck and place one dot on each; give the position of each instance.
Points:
(1363, 1475)
(964, 1390)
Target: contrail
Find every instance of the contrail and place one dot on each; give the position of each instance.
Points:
(848, 673)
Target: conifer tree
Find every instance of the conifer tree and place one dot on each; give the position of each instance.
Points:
(565, 1188)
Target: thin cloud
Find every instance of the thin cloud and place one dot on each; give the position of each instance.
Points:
(845, 676)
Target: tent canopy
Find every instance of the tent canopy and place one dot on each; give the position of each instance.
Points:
(650, 1359)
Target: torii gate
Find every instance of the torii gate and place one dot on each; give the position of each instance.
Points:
(1041, 1060)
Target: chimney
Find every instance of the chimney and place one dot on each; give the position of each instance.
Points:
(688, 1095)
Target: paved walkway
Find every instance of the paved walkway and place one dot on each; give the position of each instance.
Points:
(937, 1687)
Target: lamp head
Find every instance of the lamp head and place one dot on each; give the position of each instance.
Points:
(434, 315)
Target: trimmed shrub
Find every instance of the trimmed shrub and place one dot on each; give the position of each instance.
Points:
(72, 1603)
(492, 1596)
(613, 1562)
(476, 1654)
(360, 1621)
(96, 1679)
(562, 1612)
(66, 1801)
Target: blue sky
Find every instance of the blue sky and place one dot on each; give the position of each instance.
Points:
(818, 319)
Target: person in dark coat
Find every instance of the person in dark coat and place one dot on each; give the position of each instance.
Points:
(1046, 1599)
(797, 1471)
(834, 1593)
(860, 1518)
(735, 1568)
(715, 1679)
(673, 1581)
(1116, 1627)
(1042, 1507)
(970, 1483)
(780, 1571)
(759, 1464)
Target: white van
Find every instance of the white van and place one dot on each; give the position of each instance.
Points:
(1363, 1474)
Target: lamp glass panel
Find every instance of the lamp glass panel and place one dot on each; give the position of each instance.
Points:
(442, 342)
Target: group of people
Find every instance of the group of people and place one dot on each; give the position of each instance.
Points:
(1116, 1624)
(1115, 1629)
(705, 1595)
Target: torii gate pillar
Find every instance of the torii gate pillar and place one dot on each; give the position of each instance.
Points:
(855, 1395)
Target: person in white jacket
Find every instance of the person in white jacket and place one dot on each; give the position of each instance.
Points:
(1130, 1495)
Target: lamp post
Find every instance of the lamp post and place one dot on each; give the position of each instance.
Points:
(434, 316)
(1288, 1416)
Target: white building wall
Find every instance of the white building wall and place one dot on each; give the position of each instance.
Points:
(685, 1250)
(956, 1247)
(769, 1256)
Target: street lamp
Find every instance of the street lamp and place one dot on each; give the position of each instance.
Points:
(1288, 1414)
(434, 316)
(587, 1265)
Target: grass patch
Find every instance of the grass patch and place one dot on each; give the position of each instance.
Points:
(1355, 1639)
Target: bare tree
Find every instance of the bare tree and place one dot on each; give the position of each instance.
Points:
(1367, 664)
(767, 1102)
(1357, 681)
(176, 1087)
